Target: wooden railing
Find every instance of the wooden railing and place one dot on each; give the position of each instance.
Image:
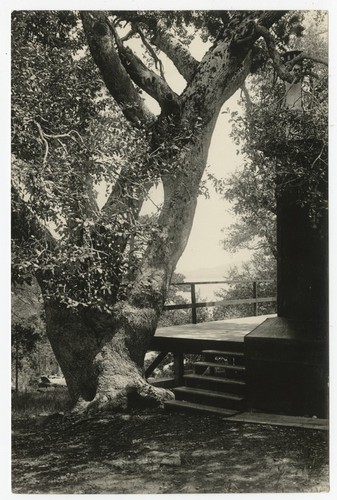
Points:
(194, 305)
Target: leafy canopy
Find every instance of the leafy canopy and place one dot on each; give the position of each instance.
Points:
(69, 140)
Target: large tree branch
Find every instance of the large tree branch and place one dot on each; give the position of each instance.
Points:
(241, 28)
(118, 82)
(145, 78)
(225, 66)
(282, 68)
(177, 52)
(267, 18)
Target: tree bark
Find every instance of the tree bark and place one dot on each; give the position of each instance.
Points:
(102, 360)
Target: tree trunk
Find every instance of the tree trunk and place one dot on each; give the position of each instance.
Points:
(102, 361)
(101, 355)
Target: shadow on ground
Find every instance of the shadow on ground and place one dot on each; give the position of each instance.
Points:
(163, 453)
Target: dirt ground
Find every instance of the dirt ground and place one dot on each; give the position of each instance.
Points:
(165, 453)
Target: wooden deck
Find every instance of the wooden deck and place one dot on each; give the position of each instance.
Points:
(193, 338)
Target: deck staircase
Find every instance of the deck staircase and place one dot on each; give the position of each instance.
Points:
(217, 384)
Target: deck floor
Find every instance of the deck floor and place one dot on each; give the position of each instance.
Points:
(224, 330)
(219, 335)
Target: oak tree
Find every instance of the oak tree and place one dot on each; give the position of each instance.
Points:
(81, 121)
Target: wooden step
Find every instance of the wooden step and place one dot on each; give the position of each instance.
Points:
(196, 407)
(230, 357)
(219, 365)
(209, 397)
(215, 383)
(219, 369)
(212, 352)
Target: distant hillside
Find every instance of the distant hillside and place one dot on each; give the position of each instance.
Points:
(216, 273)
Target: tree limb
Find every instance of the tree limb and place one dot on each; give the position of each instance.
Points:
(305, 55)
(226, 65)
(116, 78)
(145, 78)
(179, 55)
(245, 92)
(156, 59)
(129, 35)
(241, 27)
(275, 56)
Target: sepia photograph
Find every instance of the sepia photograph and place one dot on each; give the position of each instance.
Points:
(169, 227)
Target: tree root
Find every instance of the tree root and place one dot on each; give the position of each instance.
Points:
(135, 395)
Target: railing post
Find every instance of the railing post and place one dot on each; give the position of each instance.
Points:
(256, 308)
(193, 301)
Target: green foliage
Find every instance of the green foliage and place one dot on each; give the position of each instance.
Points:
(183, 23)
(28, 324)
(68, 141)
(291, 144)
(278, 145)
(24, 340)
(289, 28)
(262, 268)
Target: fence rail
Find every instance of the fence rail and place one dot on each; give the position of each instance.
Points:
(194, 305)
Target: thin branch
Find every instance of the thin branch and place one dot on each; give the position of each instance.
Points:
(63, 146)
(62, 136)
(319, 157)
(156, 59)
(43, 135)
(305, 55)
(45, 142)
(128, 36)
(247, 96)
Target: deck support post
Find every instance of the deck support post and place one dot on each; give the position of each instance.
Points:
(155, 363)
(178, 367)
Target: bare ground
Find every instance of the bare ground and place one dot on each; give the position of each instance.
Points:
(156, 452)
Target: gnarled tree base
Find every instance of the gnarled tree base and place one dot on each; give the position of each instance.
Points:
(129, 395)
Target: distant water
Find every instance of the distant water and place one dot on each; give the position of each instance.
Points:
(204, 292)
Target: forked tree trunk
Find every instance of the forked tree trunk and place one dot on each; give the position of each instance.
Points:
(102, 356)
